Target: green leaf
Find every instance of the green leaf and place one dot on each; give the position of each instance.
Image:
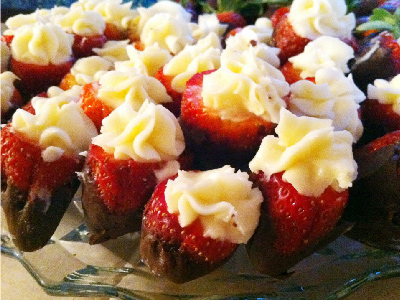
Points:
(377, 25)
(382, 20)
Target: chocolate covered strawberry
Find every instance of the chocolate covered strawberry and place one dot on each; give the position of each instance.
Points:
(133, 152)
(100, 98)
(41, 55)
(194, 222)
(226, 113)
(203, 56)
(305, 21)
(323, 52)
(379, 47)
(39, 161)
(304, 174)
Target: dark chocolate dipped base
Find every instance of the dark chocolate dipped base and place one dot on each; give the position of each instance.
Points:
(374, 199)
(165, 259)
(32, 222)
(267, 260)
(102, 223)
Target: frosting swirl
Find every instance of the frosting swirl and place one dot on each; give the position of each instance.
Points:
(152, 134)
(314, 18)
(117, 87)
(224, 201)
(59, 124)
(7, 90)
(312, 155)
(42, 44)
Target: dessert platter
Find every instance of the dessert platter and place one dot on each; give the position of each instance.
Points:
(202, 149)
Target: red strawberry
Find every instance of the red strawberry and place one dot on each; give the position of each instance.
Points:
(232, 18)
(225, 139)
(291, 74)
(166, 80)
(114, 194)
(286, 38)
(37, 193)
(83, 45)
(68, 82)
(38, 78)
(7, 39)
(292, 226)
(93, 107)
(278, 15)
(389, 42)
(112, 32)
(179, 254)
(374, 203)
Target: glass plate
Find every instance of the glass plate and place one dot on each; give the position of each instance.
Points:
(69, 266)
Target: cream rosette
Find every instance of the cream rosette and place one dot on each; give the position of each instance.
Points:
(224, 200)
(151, 134)
(312, 155)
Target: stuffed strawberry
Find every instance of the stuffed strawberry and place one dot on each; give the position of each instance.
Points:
(133, 152)
(323, 52)
(41, 55)
(226, 114)
(39, 161)
(379, 48)
(305, 21)
(374, 203)
(100, 98)
(203, 56)
(194, 222)
(304, 174)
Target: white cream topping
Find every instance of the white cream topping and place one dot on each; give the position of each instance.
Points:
(203, 56)
(386, 92)
(115, 12)
(151, 134)
(206, 24)
(59, 125)
(42, 44)
(149, 61)
(247, 40)
(7, 80)
(17, 21)
(334, 96)
(244, 85)
(73, 94)
(314, 18)
(89, 69)
(81, 22)
(117, 87)
(224, 201)
(169, 7)
(323, 52)
(312, 155)
(113, 51)
(5, 56)
(171, 32)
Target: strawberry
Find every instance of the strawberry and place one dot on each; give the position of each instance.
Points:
(232, 18)
(291, 74)
(179, 254)
(37, 78)
(112, 32)
(278, 15)
(286, 38)
(68, 82)
(36, 193)
(166, 80)
(83, 45)
(93, 107)
(226, 139)
(374, 203)
(292, 225)
(7, 39)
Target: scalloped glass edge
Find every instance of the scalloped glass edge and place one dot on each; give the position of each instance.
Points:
(69, 266)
